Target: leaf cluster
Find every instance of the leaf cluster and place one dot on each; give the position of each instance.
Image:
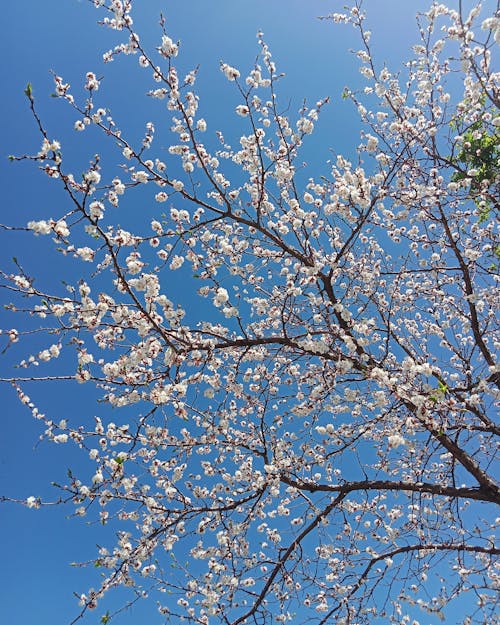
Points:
(480, 153)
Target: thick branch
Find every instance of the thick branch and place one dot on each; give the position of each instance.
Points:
(478, 494)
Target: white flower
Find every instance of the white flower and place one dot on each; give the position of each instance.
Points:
(395, 440)
(168, 47)
(54, 350)
(98, 478)
(112, 198)
(92, 177)
(177, 262)
(32, 502)
(84, 358)
(40, 227)
(221, 297)
(305, 125)
(44, 355)
(231, 73)
(96, 210)
(242, 110)
(141, 176)
(161, 196)
(61, 228)
(119, 187)
(490, 23)
(22, 282)
(92, 84)
(85, 253)
(372, 143)
(156, 226)
(82, 376)
(134, 264)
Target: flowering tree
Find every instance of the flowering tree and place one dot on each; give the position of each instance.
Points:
(316, 433)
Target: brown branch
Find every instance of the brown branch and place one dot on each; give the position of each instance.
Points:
(464, 492)
(407, 549)
(291, 548)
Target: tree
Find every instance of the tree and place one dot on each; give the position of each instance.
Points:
(316, 434)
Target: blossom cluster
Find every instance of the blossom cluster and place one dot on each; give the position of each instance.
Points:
(313, 424)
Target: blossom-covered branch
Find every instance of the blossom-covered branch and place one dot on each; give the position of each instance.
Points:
(303, 362)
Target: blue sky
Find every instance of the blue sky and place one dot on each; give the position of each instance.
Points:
(38, 546)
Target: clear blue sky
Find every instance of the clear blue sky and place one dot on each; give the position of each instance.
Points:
(39, 35)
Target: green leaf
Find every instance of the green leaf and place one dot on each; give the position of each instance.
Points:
(484, 214)
(105, 618)
(29, 91)
(442, 387)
